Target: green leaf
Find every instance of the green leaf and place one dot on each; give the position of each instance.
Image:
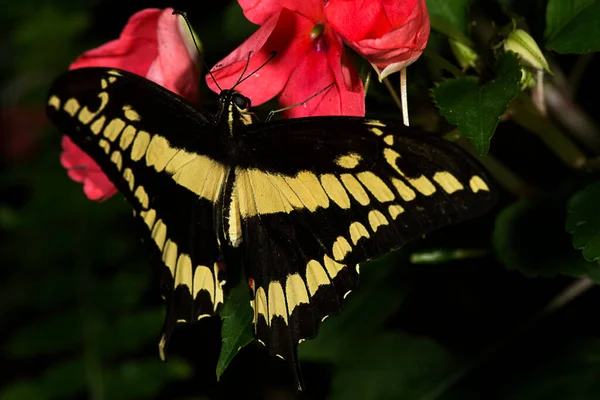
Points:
(529, 236)
(572, 26)
(391, 366)
(583, 221)
(450, 18)
(476, 109)
(236, 331)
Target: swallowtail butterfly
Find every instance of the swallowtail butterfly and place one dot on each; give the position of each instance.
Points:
(302, 201)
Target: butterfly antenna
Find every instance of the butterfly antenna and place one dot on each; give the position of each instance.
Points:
(244, 70)
(273, 112)
(187, 22)
(271, 57)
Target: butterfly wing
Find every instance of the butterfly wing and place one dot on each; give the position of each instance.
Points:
(313, 198)
(162, 154)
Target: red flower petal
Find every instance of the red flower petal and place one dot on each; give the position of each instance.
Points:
(154, 44)
(354, 19)
(316, 71)
(390, 34)
(259, 11)
(133, 51)
(287, 33)
(82, 168)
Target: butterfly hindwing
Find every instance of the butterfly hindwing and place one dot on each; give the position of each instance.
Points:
(161, 154)
(318, 196)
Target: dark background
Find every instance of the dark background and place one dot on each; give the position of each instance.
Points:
(80, 311)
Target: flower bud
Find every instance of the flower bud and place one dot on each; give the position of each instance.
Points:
(523, 44)
(464, 54)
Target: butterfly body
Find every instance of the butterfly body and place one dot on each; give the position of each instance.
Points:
(301, 203)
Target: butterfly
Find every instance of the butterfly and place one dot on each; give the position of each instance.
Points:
(298, 204)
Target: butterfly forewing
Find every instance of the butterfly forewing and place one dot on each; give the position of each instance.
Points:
(161, 154)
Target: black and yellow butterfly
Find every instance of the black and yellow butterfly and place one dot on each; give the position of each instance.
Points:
(299, 202)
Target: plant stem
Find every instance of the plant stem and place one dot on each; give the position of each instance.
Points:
(523, 112)
(443, 63)
(393, 93)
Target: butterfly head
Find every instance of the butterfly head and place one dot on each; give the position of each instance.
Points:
(234, 110)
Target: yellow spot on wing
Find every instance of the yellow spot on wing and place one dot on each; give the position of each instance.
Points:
(315, 276)
(295, 292)
(104, 145)
(159, 153)
(71, 106)
(97, 125)
(477, 184)
(276, 301)
(159, 234)
(113, 72)
(142, 196)
(128, 176)
(180, 159)
(341, 248)
(377, 219)
(130, 113)
(204, 280)
(422, 184)
(376, 131)
(355, 189)
(127, 137)
(333, 268)
(183, 273)
(358, 231)
(103, 83)
(308, 189)
(335, 190)
(149, 217)
(374, 122)
(403, 190)
(447, 181)
(86, 116)
(140, 144)
(389, 140)
(348, 161)
(395, 210)
(117, 159)
(376, 186)
(202, 175)
(260, 305)
(54, 101)
(169, 256)
(113, 129)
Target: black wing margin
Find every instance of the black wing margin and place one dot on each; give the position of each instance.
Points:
(161, 153)
(318, 196)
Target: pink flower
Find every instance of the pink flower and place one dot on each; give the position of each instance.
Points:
(310, 56)
(308, 36)
(154, 44)
(390, 34)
